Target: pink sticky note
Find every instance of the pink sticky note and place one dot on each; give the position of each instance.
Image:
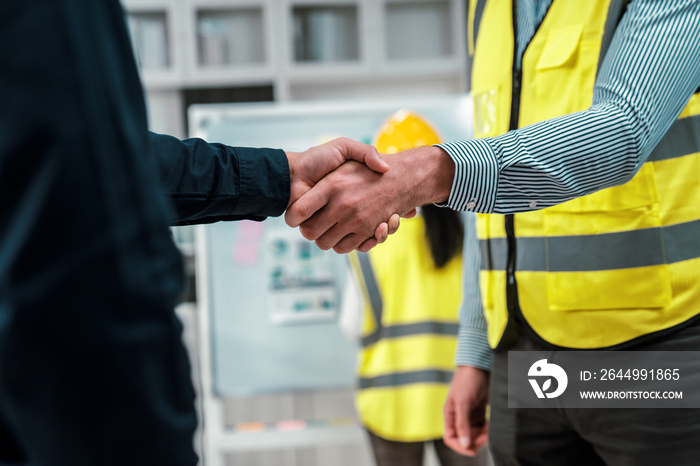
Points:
(290, 425)
(245, 249)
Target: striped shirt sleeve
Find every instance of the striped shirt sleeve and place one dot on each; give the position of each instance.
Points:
(650, 71)
(472, 344)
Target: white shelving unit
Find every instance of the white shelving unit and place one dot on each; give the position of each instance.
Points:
(304, 49)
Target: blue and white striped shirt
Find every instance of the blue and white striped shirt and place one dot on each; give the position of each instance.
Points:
(650, 71)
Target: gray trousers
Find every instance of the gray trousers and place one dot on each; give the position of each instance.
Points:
(592, 437)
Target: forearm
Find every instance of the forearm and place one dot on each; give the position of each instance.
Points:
(212, 182)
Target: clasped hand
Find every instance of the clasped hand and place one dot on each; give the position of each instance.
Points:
(343, 192)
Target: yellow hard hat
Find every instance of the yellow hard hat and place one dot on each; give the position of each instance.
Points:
(404, 130)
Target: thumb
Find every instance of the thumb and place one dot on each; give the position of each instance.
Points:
(364, 153)
(462, 426)
(448, 414)
(412, 213)
(375, 162)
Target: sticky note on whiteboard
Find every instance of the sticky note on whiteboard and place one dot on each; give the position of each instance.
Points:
(246, 248)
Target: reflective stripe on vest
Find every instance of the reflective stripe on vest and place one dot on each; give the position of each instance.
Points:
(606, 269)
(624, 250)
(409, 336)
(396, 330)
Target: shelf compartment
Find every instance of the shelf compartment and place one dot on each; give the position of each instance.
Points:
(230, 37)
(325, 33)
(419, 29)
(150, 38)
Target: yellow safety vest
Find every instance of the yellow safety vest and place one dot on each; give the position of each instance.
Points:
(607, 269)
(409, 335)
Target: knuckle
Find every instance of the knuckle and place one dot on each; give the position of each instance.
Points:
(301, 208)
(348, 205)
(307, 232)
(341, 249)
(347, 244)
(323, 244)
(288, 219)
(394, 224)
(368, 245)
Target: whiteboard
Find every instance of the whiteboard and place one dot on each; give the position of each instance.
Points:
(271, 296)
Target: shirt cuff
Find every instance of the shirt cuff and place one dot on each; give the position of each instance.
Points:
(473, 348)
(476, 175)
(264, 182)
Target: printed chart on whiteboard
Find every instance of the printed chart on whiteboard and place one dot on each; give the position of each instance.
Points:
(302, 286)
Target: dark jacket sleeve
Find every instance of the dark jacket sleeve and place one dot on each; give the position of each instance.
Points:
(208, 182)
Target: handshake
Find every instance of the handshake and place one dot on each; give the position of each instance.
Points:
(344, 195)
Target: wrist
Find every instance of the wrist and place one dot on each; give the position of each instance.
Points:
(472, 369)
(291, 162)
(472, 373)
(435, 171)
(442, 175)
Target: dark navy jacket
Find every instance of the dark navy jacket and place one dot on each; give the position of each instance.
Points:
(92, 368)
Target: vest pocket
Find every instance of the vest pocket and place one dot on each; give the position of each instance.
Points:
(631, 206)
(610, 290)
(560, 71)
(560, 47)
(605, 251)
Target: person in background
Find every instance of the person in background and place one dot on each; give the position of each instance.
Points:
(409, 291)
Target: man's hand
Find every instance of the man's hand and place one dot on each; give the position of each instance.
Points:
(466, 427)
(308, 167)
(345, 207)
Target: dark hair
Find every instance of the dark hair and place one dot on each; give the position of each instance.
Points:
(444, 231)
